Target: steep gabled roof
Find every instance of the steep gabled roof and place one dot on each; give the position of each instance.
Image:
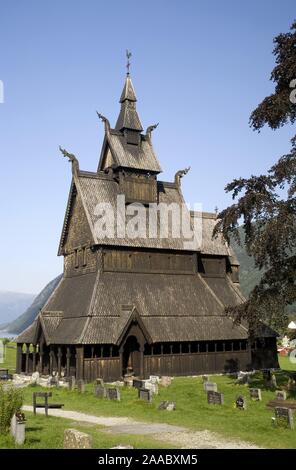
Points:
(137, 157)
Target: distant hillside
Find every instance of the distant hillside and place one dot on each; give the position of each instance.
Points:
(249, 275)
(12, 304)
(32, 311)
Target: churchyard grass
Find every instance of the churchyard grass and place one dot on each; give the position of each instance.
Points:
(48, 433)
(192, 410)
(10, 357)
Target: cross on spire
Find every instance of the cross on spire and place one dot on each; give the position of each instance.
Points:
(128, 64)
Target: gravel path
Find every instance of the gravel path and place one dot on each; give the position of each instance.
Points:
(179, 436)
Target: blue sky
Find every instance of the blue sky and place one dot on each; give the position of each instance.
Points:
(199, 68)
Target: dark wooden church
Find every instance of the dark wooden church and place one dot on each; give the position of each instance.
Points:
(151, 305)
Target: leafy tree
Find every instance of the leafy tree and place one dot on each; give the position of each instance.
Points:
(266, 204)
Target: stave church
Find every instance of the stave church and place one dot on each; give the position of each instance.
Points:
(129, 303)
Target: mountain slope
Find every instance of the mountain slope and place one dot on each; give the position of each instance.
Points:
(24, 320)
(12, 304)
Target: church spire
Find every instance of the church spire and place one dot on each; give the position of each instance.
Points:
(128, 117)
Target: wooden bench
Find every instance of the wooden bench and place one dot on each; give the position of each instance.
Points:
(282, 404)
(44, 404)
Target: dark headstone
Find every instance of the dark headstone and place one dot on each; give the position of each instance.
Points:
(205, 378)
(113, 394)
(167, 405)
(255, 394)
(80, 386)
(100, 391)
(215, 398)
(284, 417)
(144, 394)
(241, 403)
(138, 383)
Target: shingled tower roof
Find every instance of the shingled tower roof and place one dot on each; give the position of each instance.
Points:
(128, 117)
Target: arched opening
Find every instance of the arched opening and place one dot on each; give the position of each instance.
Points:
(131, 358)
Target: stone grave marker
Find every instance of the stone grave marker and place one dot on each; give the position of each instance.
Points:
(81, 386)
(13, 425)
(99, 391)
(241, 403)
(205, 378)
(137, 383)
(210, 387)
(113, 394)
(100, 382)
(144, 394)
(165, 381)
(154, 379)
(281, 395)
(71, 382)
(74, 439)
(167, 405)
(20, 432)
(255, 394)
(284, 417)
(150, 386)
(215, 398)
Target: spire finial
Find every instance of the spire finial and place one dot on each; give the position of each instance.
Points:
(128, 64)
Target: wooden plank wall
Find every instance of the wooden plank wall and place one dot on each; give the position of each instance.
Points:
(108, 369)
(191, 364)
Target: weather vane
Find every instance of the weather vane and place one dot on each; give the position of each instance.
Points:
(128, 64)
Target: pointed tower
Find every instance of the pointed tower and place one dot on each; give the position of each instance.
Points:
(128, 119)
(125, 147)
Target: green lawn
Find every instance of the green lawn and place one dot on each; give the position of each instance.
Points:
(193, 412)
(9, 357)
(47, 433)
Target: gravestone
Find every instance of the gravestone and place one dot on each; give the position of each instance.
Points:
(255, 394)
(100, 382)
(154, 379)
(74, 439)
(100, 391)
(137, 383)
(210, 387)
(13, 425)
(284, 417)
(205, 378)
(150, 386)
(281, 395)
(80, 386)
(241, 403)
(71, 382)
(113, 394)
(128, 381)
(165, 381)
(144, 394)
(273, 383)
(243, 378)
(215, 398)
(52, 381)
(35, 378)
(20, 432)
(167, 405)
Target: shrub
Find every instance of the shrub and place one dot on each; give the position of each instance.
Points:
(11, 400)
